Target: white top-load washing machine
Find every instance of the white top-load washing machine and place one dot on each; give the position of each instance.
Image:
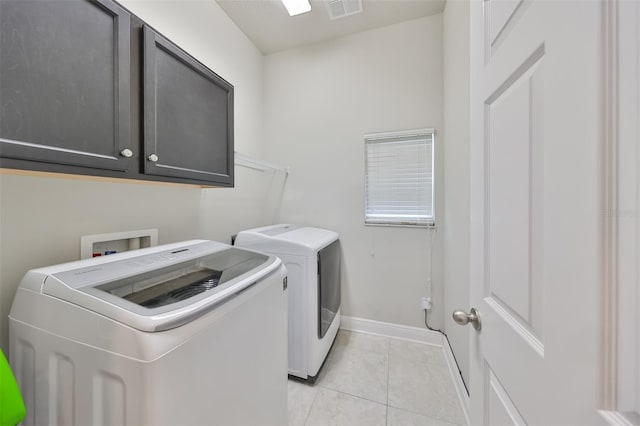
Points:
(312, 258)
(184, 334)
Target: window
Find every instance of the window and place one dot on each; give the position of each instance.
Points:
(399, 178)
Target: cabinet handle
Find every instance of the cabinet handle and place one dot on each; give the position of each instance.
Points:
(126, 153)
(153, 158)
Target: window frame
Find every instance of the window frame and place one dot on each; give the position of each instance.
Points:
(389, 137)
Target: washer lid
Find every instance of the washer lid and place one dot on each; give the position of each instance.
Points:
(285, 238)
(272, 231)
(159, 291)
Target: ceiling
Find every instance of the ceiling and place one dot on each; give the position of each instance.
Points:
(271, 29)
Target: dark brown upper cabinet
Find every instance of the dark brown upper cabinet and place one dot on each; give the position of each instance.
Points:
(64, 83)
(86, 87)
(188, 115)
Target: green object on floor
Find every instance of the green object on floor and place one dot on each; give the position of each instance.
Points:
(12, 409)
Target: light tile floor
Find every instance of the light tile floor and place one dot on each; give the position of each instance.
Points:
(371, 380)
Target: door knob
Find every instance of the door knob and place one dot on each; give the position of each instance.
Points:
(153, 158)
(126, 153)
(463, 318)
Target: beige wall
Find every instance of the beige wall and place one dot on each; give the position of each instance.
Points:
(319, 102)
(42, 219)
(456, 176)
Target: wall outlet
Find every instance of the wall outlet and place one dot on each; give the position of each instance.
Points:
(425, 303)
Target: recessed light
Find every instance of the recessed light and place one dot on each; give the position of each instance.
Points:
(296, 7)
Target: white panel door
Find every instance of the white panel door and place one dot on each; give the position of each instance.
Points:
(536, 91)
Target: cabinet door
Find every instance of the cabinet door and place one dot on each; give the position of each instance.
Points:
(64, 83)
(188, 113)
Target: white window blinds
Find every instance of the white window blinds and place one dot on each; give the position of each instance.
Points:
(399, 178)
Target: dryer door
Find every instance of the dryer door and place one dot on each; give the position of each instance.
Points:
(328, 286)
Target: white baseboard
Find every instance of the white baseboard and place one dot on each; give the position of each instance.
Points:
(414, 334)
(463, 396)
(387, 329)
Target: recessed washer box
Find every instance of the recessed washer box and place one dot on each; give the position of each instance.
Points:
(116, 242)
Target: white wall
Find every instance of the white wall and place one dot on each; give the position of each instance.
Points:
(42, 219)
(456, 176)
(319, 102)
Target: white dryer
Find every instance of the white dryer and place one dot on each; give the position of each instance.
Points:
(183, 334)
(312, 258)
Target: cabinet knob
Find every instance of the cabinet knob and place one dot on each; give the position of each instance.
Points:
(153, 158)
(126, 153)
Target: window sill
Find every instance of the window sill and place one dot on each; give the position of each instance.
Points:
(402, 225)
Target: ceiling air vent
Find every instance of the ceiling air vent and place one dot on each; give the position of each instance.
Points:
(341, 8)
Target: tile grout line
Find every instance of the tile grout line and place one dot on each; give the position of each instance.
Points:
(426, 362)
(306, 418)
(429, 362)
(439, 419)
(352, 395)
